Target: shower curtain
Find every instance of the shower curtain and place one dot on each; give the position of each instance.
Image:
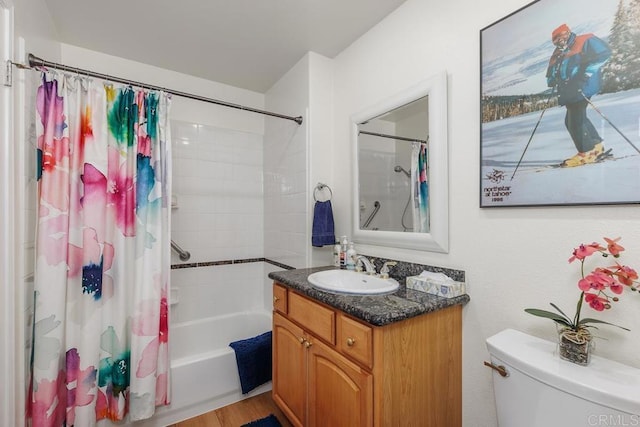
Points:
(100, 339)
(420, 187)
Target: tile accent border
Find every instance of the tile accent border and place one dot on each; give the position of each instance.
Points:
(230, 261)
(278, 264)
(399, 272)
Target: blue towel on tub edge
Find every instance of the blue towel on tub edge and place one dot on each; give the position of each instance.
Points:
(253, 357)
(323, 232)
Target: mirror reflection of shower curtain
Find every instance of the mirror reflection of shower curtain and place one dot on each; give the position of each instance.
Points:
(420, 187)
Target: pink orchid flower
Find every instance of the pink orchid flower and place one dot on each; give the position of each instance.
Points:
(626, 275)
(584, 251)
(616, 287)
(597, 280)
(595, 302)
(613, 247)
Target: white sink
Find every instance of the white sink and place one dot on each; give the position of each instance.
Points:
(351, 282)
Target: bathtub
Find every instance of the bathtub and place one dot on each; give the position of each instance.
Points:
(204, 374)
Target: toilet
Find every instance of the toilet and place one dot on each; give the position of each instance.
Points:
(541, 390)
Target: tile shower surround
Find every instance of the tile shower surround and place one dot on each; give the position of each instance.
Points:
(217, 187)
(240, 195)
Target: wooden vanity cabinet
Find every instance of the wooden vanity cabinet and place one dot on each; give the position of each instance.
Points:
(330, 369)
(313, 384)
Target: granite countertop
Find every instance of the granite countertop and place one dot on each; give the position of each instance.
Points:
(377, 310)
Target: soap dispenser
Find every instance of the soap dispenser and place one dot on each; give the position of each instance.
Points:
(343, 252)
(336, 253)
(351, 257)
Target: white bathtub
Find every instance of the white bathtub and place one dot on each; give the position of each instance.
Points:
(204, 374)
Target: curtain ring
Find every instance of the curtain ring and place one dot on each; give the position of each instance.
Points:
(319, 188)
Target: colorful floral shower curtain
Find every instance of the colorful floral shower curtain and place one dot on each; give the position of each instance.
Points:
(102, 257)
(420, 187)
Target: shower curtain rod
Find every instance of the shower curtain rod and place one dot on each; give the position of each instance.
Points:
(35, 62)
(401, 138)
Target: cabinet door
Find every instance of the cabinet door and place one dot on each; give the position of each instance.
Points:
(340, 392)
(289, 369)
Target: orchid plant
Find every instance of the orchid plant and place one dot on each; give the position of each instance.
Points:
(599, 288)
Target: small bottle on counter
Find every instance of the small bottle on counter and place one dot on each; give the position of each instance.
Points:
(351, 257)
(343, 252)
(336, 254)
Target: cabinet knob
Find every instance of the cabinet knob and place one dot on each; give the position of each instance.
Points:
(307, 344)
(275, 299)
(302, 340)
(350, 342)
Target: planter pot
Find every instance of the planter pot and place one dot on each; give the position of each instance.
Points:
(575, 346)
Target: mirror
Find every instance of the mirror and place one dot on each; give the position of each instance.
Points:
(389, 154)
(394, 205)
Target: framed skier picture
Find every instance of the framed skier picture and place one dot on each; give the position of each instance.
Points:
(560, 105)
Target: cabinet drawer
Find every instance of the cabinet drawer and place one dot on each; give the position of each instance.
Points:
(280, 298)
(319, 320)
(355, 340)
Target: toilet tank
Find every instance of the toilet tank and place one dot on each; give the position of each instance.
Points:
(541, 390)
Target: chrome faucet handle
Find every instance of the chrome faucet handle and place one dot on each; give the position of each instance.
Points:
(384, 271)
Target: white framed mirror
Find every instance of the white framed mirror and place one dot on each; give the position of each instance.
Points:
(392, 205)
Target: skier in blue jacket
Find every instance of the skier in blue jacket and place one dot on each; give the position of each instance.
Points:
(575, 71)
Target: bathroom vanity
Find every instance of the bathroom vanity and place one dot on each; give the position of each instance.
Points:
(383, 360)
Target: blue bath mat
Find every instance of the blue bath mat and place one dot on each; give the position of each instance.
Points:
(270, 421)
(253, 357)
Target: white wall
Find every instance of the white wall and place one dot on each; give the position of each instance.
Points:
(514, 258)
(9, 238)
(33, 29)
(297, 158)
(321, 146)
(286, 186)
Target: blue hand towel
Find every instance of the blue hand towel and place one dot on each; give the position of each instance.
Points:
(323, 232)
(253, 357)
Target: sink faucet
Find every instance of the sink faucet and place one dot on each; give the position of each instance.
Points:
(368, 266)
(384, 271)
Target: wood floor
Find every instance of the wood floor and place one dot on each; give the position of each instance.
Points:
(239, 413)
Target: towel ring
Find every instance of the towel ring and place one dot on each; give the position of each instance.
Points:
(320, 187)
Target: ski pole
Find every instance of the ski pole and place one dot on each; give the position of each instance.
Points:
(532, 133)
(609, 121)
